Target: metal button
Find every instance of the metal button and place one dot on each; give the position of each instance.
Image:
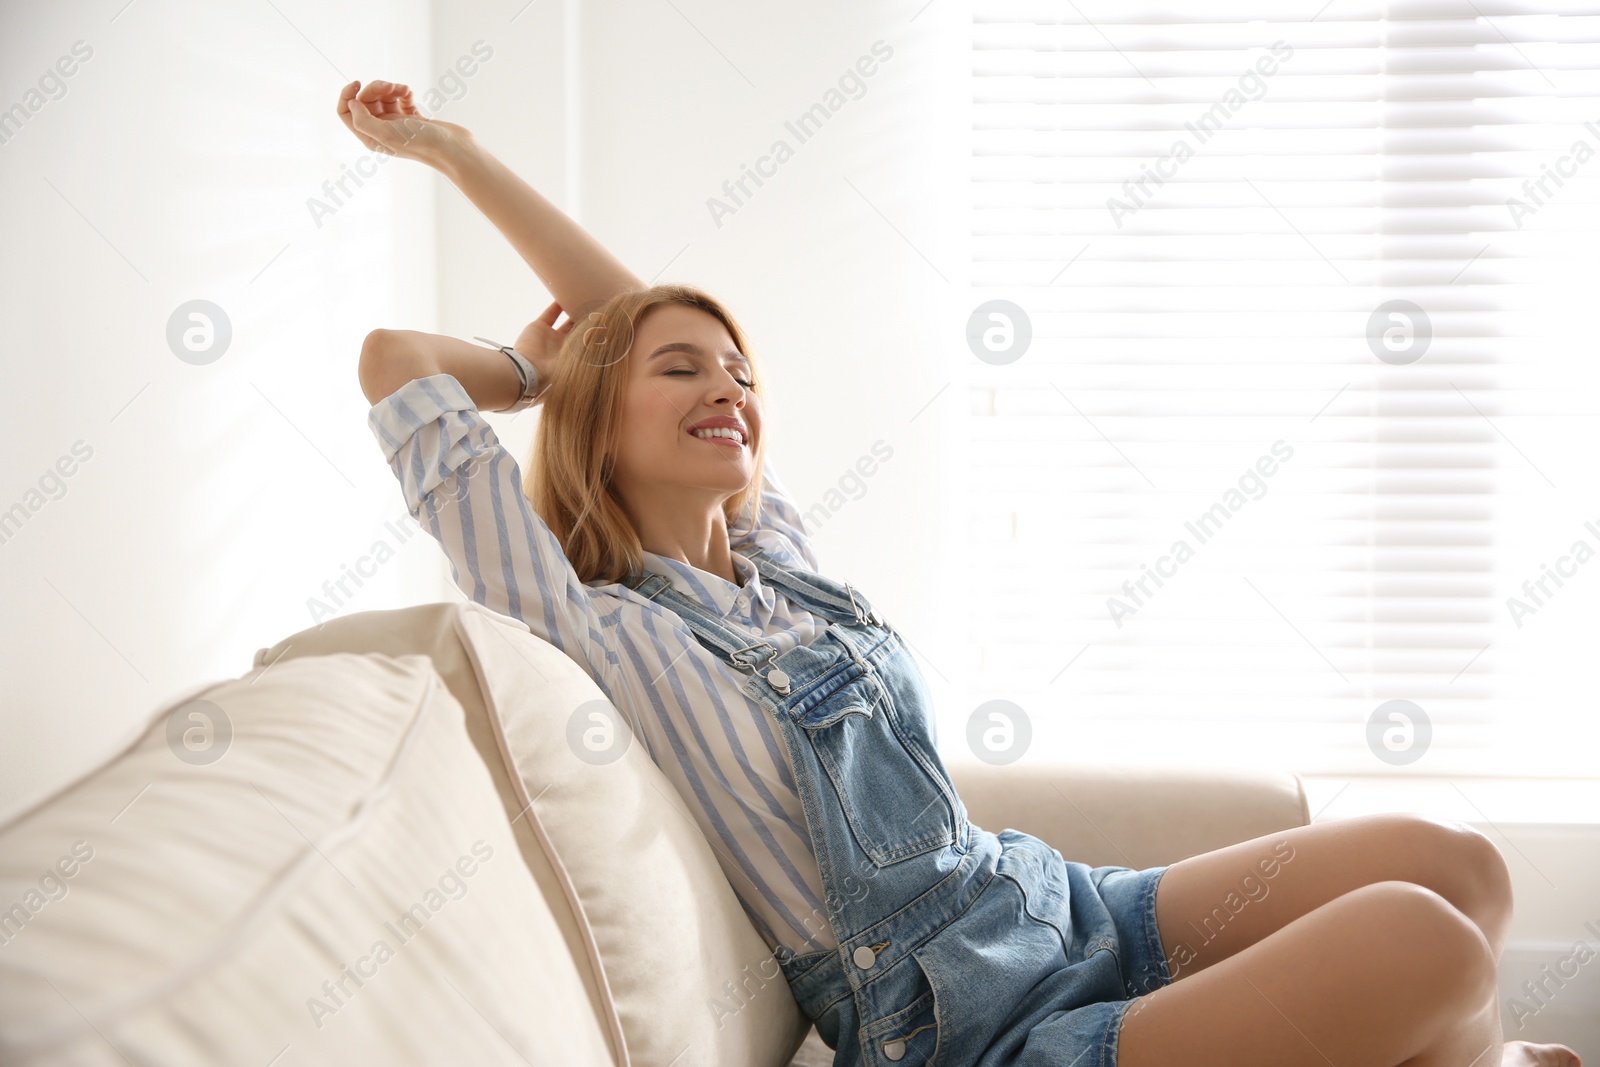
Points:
(865, 957)
(779, 680)
(893, 1050)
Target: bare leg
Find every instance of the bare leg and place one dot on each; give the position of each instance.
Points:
(1211, 906)
(1386, 974)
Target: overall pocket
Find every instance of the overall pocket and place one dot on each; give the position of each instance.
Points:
(894, 798)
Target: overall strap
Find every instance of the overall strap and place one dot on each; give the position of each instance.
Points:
(732, 645)
(834, 601)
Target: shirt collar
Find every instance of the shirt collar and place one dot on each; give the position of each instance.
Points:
(703, 587)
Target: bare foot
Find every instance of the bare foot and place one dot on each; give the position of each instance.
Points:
(1527, 1054)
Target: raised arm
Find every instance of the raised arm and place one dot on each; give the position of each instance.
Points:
(576, 269)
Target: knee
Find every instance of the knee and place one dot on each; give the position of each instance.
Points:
(1476, 868)
(1487, 863)
(1441, 947)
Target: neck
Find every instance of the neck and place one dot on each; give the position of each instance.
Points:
(698, 540)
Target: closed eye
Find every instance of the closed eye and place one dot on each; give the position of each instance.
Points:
(685, 370)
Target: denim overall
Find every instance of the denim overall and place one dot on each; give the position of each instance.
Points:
(957, 946)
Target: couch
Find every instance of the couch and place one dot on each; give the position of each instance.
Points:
(388, 843)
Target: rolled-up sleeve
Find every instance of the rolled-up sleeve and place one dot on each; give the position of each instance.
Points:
(464, 487)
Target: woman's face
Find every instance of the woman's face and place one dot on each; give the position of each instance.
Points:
(685, 370)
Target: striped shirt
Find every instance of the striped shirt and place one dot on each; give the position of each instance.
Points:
(716, 745)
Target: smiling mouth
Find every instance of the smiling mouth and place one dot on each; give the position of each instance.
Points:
(725, 442)
(727, 436)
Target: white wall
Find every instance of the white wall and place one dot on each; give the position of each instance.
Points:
(216, 499)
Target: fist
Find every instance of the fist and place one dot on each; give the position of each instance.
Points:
(384, 118)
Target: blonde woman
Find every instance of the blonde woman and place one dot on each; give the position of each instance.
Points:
(651, 542)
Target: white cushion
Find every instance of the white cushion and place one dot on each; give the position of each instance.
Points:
(436, 631)
(182, 912)
(681, 966)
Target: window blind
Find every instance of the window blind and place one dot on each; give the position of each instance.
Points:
(1308, 392)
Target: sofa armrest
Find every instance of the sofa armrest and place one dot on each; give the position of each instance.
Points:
(1130, 816)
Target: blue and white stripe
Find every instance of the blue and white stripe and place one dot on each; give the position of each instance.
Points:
(714, 743)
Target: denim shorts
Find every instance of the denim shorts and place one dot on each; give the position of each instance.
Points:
(1087, 1036)
(1130, 896)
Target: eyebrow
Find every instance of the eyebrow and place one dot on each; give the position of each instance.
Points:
(694, 349)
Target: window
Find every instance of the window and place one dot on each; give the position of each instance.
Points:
(1310, 392)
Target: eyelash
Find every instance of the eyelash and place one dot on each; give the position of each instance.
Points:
(686, 370)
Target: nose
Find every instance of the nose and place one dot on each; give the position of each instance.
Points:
(729, 385)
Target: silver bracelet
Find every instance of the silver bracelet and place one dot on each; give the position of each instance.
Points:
(527, 377)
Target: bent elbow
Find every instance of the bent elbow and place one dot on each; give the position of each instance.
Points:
(383, 367)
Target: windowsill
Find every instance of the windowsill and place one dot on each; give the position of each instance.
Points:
(1497, 801)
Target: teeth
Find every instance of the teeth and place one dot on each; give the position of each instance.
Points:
(721, 431)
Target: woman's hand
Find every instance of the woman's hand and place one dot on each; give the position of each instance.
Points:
(383, 117)
(541, 340)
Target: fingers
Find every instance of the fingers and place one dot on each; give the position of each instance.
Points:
(551, 313)
(345, 96)
(380, 104)
(387, 98)
(400, 105)
(565, 327)
(376, 90)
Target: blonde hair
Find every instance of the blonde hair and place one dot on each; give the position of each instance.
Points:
(570, 466)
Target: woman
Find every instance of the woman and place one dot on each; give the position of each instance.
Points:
(651, 544)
